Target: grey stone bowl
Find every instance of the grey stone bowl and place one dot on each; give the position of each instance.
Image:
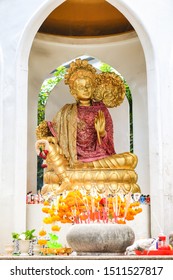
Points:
(100, 239)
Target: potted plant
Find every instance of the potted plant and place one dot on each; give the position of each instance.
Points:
(23, 240)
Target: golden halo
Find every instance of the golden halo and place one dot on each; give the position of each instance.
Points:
(110, 89)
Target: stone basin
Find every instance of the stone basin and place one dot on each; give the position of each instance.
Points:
(99, 239)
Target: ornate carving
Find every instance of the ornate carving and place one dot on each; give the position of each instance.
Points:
(110, 89)
(42, 130)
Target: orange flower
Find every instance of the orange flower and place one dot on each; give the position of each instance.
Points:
(55, 218)
(83, 217)
(46, 203)
(42, 232)
(139, 210)
(55, 228)
(129, 218)
(121, 221)
(47, 220)
(66, 220)
(45, 210)
(42, 242)
(76, 205)
(51, 212)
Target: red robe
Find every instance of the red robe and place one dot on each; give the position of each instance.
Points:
(74, 128)
(88, 148)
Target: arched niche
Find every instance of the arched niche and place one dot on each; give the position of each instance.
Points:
(24, 49)
(120, 52)
(53, 96)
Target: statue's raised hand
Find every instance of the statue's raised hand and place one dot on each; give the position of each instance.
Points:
(100, 125)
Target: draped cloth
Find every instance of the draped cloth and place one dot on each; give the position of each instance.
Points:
(65, 126)
(74, 128)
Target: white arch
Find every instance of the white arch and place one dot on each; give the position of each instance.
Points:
(23, 51)
(154, 105)
(1, 106)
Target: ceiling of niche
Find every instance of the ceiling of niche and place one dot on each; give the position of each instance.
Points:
(85, 18)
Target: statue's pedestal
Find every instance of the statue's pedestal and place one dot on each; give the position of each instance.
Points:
(97, 239)
(112, 180)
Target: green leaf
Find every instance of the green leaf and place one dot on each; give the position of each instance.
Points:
(106, 68)
(15, 235)
(29, 234)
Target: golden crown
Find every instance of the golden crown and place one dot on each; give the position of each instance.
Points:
(79, 69)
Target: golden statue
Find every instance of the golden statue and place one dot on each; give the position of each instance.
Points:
(78, 144)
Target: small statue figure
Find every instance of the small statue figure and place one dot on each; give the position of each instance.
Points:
(80, 135)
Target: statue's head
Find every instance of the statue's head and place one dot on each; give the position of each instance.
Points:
(81, 79)
(86, 84)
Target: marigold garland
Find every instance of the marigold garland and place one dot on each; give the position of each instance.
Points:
(76, 208)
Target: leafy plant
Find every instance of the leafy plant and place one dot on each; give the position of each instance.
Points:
(15, 235)
(27, 235)
(46, 89)
(53, 242)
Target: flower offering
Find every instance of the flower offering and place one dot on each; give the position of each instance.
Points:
(76, 207)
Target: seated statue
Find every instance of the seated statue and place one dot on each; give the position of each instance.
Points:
(79, 140)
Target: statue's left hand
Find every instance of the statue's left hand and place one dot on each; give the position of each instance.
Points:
(100, 125)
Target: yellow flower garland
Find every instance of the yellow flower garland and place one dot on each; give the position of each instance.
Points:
(76, 208)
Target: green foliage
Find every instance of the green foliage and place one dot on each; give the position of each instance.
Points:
(39, 173)
(15, 235)
(106, 68)
(46, 89)
(129, 98)
(60, 72)
(28, 235)
(53, 242)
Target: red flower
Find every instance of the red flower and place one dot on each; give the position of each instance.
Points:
(103, 201)
(42, 155)
(46, 152)
(44, 165)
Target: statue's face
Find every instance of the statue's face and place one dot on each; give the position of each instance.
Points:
(83, 88)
